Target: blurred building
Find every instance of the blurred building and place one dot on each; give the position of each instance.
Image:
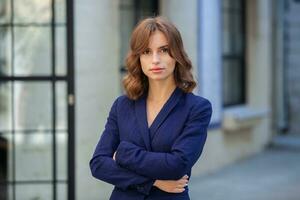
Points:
(58, 82)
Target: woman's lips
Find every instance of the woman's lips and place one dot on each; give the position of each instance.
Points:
(156, 69)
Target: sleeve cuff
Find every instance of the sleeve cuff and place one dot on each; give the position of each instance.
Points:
(146, 187)
(122, 152)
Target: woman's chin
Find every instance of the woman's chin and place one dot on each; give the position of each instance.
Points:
(157, 78)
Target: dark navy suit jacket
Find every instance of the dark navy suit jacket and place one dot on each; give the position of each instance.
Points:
(166, 150)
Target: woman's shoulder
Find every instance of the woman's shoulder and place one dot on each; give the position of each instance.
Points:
(122, 101)
(194, 99)
(198, 104)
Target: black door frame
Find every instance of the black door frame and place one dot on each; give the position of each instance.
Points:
(71, 99)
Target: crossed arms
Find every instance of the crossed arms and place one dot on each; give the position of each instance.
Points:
(136, 168)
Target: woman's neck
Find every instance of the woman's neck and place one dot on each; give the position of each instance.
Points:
(159, 92)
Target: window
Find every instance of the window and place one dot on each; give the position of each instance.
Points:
(233, 52)
(131, 12)
(36, 118)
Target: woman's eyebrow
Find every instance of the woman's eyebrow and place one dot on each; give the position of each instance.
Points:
(164, 46)
(161, 47)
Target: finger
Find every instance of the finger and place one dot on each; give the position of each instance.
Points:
(183, 181)
(178, 190)
(182, 185)
(185, 176)
(179, 186)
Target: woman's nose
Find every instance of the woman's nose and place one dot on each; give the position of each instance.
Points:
(155, 58)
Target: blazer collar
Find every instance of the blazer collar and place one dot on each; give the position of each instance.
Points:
(165, 111)
(141, 115)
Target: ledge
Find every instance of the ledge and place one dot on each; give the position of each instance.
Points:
(242, 117)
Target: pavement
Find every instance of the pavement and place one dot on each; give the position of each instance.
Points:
(273, 174)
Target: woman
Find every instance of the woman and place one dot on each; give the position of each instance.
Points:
(156, 132)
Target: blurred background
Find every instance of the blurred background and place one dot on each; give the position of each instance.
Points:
(61, 67)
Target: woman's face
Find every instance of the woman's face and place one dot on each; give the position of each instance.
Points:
(156, 62)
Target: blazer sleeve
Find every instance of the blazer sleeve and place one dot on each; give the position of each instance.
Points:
(185, 151)
(103, 167)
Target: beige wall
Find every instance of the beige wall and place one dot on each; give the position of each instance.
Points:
(241, 138)
(97, 85)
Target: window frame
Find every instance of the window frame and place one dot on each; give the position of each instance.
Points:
(52, 79)
(231, 56)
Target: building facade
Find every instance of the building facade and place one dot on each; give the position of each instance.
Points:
(62, 63)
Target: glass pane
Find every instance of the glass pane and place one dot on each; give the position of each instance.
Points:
(226, 4)
(226, 33)
(237, 46)
(237, 34)
(61, 106)
(226, 43)
(33, 156)
(5, 106)
(34, 192)
(62, 191)
(32, 51)
(237, 82)
(5, 51)
(236, 4)
(62, 158)
(32, 103)
(236, 23)
(233, 32)
(6, 155)
(32, 11)
(232, 5)
(60, 11)
(5, 6)
(233, 82)
(127, 22)
(147, 8)
(6, 192)
(61, 51)
(226, 83)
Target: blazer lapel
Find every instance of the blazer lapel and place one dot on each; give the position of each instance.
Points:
(141, 117)
(164, 112)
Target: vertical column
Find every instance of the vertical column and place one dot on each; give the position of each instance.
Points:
(209, 55)
(97, 82)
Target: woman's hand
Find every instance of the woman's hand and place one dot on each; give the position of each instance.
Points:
(172, 186)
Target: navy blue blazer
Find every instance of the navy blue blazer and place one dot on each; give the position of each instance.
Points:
(166, 150)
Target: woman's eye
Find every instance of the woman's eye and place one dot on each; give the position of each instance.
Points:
(146, 52)
(165, 50)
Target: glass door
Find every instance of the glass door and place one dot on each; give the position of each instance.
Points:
(36, 100)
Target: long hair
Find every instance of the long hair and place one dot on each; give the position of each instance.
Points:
(135, 82)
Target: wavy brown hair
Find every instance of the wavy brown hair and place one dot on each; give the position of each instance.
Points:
(135, 82)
